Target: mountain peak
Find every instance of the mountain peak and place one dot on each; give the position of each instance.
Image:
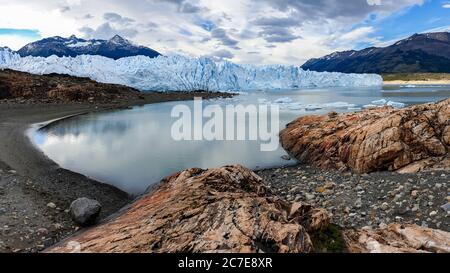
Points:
(421, 52)
(115, 48)
(117, 39)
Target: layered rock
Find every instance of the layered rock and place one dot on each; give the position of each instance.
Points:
(406, 140)
(219, 210)
(398, 239)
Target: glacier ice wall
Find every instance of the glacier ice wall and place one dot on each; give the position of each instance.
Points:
(179, 73)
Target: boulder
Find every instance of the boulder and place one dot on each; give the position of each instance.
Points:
(226, 209)
(85, 211)
(406, 140)
(398, 238)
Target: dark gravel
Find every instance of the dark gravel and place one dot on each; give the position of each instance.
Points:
(374, 200)
(35, 193)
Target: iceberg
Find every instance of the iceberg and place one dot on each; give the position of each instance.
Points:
(380, 102)
(395, 104)
(383, 102)
(284, 100)
(180, 73)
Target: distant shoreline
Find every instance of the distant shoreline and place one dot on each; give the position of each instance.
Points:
(425, 82)
(416, 79)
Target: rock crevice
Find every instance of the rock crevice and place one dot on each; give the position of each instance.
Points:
(219, 210)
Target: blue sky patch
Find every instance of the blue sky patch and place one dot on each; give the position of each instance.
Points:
(28, 33)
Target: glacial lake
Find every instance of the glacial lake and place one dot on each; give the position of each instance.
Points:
(133, 149)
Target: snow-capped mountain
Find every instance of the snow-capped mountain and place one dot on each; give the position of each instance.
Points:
(179, 73)
(428, 52)
(115, 48)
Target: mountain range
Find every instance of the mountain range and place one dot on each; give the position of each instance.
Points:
(428, 52)
(115, 48)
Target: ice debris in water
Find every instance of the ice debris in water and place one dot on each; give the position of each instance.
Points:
(384, 102)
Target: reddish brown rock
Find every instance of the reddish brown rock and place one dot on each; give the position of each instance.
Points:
(410, 139)
(218, 210)
(398, 239)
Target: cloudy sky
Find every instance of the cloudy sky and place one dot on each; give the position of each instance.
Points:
(243, 31)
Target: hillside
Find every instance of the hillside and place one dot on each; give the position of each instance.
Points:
(115, 48)
(428, 52)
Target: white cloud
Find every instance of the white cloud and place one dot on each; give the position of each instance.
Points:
(15, 42)
(282, 31)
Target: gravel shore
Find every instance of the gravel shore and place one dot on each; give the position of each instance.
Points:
(35, 193)
(368, 200)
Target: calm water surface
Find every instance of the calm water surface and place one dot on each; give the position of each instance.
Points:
(133, 149)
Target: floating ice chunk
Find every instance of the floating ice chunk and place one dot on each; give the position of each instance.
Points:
(263, 101)
(295, 106)
(354, 108)
(368, 106)
(313, 107)
(381, 102)
(283, 100)
(339, 104)
(395, 104)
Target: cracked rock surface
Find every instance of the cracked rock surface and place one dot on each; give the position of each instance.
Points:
(226, 209)
(398, 239)
(408, 140)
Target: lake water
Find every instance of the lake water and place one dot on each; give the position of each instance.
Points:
(133, 149)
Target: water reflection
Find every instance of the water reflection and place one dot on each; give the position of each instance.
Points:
(133, 149)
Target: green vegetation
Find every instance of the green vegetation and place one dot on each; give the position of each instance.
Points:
(329, 241)
(416, 77)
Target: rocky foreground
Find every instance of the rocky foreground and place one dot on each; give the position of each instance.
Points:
(230, 210)
(368, 200)
(408, 140)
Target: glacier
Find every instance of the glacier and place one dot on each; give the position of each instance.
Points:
(180, 73)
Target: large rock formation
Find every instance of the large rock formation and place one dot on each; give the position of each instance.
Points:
(406, 140)
(218, 210)
(229, 210)
(398, 239)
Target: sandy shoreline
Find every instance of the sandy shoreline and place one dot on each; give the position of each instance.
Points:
(430, 82)
(29, 181)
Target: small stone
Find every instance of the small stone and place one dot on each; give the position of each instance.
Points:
(320, 189)
(433, 213)
(414, 193)
(51, 205)
(42, 231)
(329, 185)
(309, 197)
(85, 211)
(446, 207)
